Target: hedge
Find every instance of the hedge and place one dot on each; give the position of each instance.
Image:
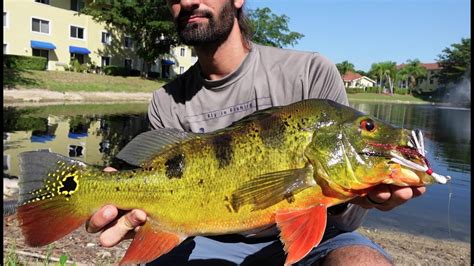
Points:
(20, 62)
(120, 71)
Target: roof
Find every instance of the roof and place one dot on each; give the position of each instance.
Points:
(429, 66)
(349, 76)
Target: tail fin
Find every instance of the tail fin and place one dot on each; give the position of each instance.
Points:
(48, 207)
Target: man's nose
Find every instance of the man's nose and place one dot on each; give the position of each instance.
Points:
(190, 4)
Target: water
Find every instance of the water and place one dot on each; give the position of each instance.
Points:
(99, 133)
(444, 210)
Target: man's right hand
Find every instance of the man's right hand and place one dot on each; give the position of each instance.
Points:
(114, 227)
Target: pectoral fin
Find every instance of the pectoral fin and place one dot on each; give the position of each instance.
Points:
(150, 243)
(269, 189)
(301, 230)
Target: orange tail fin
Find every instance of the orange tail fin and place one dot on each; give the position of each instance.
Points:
(150, 243)
(301, 231)
(45, 222)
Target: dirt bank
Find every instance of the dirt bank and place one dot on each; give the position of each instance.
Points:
(83, 248)
(19, 96)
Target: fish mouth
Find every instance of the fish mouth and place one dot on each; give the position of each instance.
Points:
(412, 159)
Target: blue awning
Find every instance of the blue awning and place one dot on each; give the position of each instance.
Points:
(77, 135)
(42, 139)
(78, 50)
(166, 62)
(42, 45)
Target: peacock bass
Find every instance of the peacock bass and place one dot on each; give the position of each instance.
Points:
(283, 165)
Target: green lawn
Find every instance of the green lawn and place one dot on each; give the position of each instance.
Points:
(72, 81)
(375, 97)
(63, 81)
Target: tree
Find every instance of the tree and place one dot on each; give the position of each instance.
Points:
(412, 72)
(145, 21)
(270, 29)
(455, 62)
(345, 67)
(384, 72)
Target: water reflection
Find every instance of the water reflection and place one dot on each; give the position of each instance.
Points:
(444, 211)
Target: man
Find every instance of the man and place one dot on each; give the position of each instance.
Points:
(233, 78)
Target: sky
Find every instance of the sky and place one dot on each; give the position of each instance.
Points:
(364, 32)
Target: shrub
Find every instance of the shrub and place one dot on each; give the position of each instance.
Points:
(153, 75)
(115, 71)
(20, 62)
(400, 90)
(373, 89)
(354, 90)
(134, 73)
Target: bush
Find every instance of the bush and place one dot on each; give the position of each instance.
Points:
(153, 75)
(120, 71)
(373, 89)
(20, 62)
(400, 90)
(115, 71)
(354, 90)
(134, 73)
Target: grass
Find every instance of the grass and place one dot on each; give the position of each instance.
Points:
(376, 97)
(63, 81)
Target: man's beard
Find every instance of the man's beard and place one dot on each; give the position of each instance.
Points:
(214, 31)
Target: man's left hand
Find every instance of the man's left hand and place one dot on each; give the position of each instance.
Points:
(386, 197)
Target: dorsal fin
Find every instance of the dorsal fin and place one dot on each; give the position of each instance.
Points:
(146, 145)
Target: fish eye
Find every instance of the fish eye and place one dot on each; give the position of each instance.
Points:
(367, 124)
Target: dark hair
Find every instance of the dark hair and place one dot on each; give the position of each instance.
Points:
(244, 24)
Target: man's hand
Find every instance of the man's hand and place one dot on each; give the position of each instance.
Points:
(386, 197)
(115, 227)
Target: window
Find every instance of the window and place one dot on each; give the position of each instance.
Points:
(77, 32)
(4, 48)
(127, 63)
(76, 151)
(182, 51)
(77, 5)
(41, 52)
(5, 24)
(78, 57)
(105, 61)
(181, 70)
(127, 42)
(106, 37)
(40, 25)
(193, 52)
(42, 1)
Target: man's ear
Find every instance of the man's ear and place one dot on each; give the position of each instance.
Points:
(239, 3)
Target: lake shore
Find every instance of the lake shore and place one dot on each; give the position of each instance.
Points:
(84, 249)
(26, 97)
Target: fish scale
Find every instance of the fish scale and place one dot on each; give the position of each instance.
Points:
(283, 166)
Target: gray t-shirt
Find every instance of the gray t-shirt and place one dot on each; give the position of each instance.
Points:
(267, 77)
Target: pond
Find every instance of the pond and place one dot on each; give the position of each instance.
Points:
(95, 133)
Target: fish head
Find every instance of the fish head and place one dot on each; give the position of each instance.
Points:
(362, 151)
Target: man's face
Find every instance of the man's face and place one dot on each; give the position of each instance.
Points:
(203, 22)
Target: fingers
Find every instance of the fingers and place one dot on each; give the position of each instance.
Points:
(386, 197)
(122, 227)
(109, 169)
(101, 218)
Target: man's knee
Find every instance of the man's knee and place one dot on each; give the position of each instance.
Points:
(355, 255)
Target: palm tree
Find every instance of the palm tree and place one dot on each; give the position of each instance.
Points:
(413, 71)
(376, 72)
(345, 67)
(389, 70)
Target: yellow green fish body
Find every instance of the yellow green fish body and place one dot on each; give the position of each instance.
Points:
(283, 166)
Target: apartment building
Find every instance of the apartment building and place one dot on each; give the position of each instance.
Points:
(55, 30)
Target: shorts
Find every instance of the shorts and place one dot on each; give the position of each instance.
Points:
(238, 250)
